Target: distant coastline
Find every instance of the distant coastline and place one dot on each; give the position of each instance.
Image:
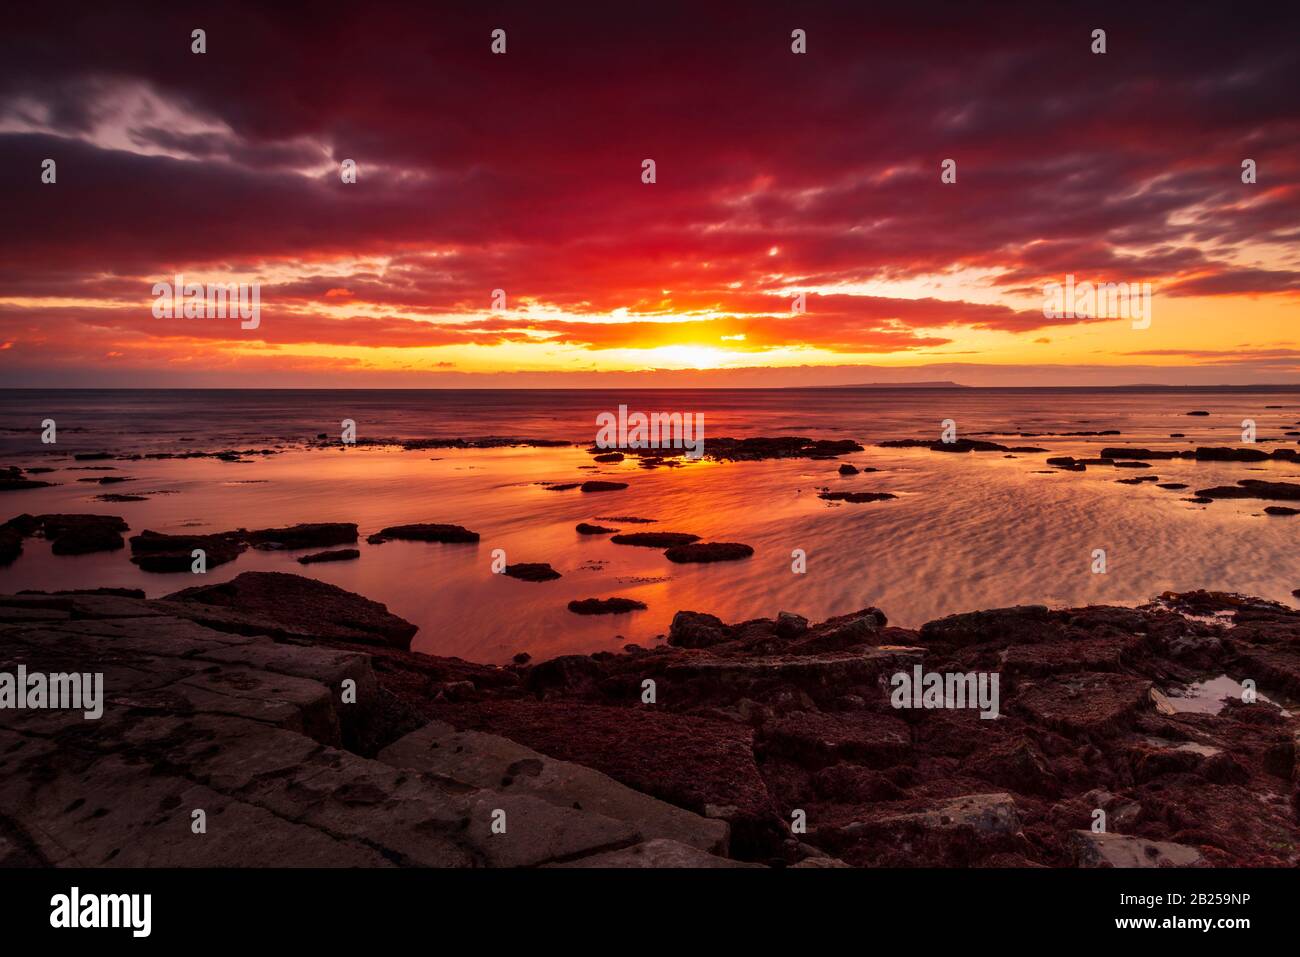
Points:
(939, 386)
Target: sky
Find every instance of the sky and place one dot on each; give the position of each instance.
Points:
(798, 230)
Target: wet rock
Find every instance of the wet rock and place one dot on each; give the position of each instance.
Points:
(709, 552)
(757, 448)
(693, 629)
(585, 528)
(532, 572)
(1172, 486)
(655, 539)
(840, 633)
(1008, 626)
(1281, 510)
(847, 469)
(423, 532)
(318, 535)
(1253, 488)
(315, 606)
(1121, 452)
(11, 544)
(701, 765)
(337, 555)
(479, 760)
(1200, 412)
(959, 445)
(856, 497)
(789, 625)
(1067, 462)
(158, 552)
(1212, 454)
(605, 606)
(598, 486)
(608, 457)
(11, 480)
(82, 534)
(1122, 850)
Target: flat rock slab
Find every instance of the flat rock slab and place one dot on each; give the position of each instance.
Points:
(701, 765)
(1122, 850)
(751, 674)
(489, 761)
(1092, 702)
(1006, 626)
(1277, 667)
(1054, 657)
(325, 610)
(252, 732)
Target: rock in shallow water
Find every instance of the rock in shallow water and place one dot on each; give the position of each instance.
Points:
(339, 555)
(605, 606)
(424, 532)
(709, 552)
(532, 572)
(655, 539)
(598, 486)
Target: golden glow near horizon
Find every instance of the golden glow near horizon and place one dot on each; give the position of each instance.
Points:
(333, 326)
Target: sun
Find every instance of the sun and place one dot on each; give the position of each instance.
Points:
(690, 357)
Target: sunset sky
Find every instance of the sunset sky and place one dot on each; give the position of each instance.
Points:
(777, 173)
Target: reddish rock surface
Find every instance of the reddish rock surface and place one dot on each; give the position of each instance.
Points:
(426, 532)
(655, 539)
(306, 604)
(600, 486)
(531, 572)
(709, 552)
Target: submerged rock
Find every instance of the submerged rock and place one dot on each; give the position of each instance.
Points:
(11, 480)
(82, 534)
(318, 535)
(157, 552)
(598, 486)
(586, 528)
(1253, 488)
(532, 572)
(856, 497)
(338, 555)
(655, 539)
(605, 606)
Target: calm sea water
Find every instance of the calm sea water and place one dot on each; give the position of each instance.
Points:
(967, 531)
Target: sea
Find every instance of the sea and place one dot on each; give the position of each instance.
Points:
(966, 531)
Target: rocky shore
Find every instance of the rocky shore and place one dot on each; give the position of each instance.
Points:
(293, 716)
